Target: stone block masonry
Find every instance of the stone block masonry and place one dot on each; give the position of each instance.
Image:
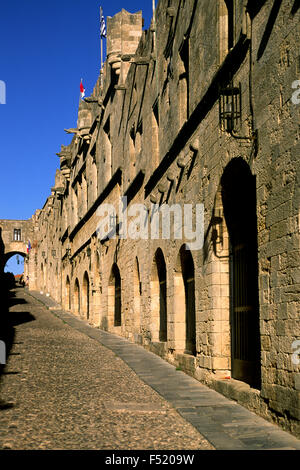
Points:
(195, 110)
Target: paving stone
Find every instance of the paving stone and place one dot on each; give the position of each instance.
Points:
(79, 395)
(220, 420)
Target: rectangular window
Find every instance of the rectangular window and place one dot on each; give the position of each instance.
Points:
(17, 234)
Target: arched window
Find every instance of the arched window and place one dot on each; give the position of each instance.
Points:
(226, 27)
(184, 66)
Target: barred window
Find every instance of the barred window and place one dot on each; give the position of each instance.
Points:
(17, 234)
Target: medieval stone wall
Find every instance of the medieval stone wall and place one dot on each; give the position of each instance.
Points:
(153, 131)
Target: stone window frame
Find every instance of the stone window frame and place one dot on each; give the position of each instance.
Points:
(17, 235)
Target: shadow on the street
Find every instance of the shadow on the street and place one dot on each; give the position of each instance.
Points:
(9, 320)
(16, 301)
(17, 318)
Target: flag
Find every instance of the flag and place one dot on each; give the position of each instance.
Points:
(102, 24)
(82, 90)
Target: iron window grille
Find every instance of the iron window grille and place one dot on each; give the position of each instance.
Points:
(17, 235)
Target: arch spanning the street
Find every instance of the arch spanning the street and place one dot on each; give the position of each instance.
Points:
(238, 188)
(6, 257)
(15, 236)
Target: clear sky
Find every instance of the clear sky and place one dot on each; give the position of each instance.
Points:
(15, 265)
(46, 48)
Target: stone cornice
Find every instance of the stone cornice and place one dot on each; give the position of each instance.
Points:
(116, 179)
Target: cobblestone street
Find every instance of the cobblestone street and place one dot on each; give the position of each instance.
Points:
(63, 390)
(70, 386)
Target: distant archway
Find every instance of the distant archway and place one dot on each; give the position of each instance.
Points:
(8, 256)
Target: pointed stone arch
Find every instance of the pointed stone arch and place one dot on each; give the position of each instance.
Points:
(158, 287)
(238, 189)
(137, 293)
(97, 290)
(184, 303)
(76, 299)
(43, 277)
(67, 301)
(114, 297)
(226, 27)
(86, 295)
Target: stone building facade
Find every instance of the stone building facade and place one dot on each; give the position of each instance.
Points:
(189, 121)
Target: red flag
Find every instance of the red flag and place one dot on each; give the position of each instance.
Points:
(82, 89)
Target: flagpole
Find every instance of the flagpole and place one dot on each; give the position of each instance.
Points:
(154, 21)
(101, 71)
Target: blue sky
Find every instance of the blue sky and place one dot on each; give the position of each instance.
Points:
(15, 265)
(46, 48)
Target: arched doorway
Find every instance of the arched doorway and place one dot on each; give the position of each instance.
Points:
(159, 297)
(114, 297)
(239, 204)
(68, 294)
(97, 311)
(42, 278)
(137, 292)
(86, 295)
(184, 302)
(76, 296)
